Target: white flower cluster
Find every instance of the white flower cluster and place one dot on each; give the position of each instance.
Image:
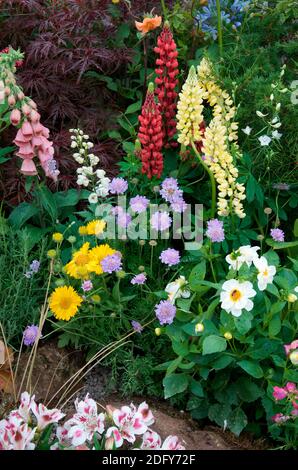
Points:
(88, 175)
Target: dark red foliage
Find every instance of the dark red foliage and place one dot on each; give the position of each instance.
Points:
(151, 137)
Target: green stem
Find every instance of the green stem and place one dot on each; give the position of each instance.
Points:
(212, 180)
(164, 9)
(219, 28)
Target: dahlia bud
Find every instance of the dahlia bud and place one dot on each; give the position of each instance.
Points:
(15, 117)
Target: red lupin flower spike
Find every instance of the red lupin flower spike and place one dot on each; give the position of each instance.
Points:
(151, 136)
(166, 81)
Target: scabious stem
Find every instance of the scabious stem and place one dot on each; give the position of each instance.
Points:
(212, 181)
(219, 28)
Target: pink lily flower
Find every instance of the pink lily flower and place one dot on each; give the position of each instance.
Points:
(44, 416)
(129, 422)
(114, 433)
(172, 443)
(151, 441)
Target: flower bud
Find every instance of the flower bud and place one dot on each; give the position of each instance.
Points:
(268, 210)
(228, 335)
(152, 243)
(157, 331)
(278, 106)
(26, 109)
(141, 268)
(142, 242)
(59, 282)
(96, 299)
(199, 328)
(15, 117)
(294, 357)
(51, 254)
(57, 237)
(109, 444)
(292, 298)
(11, 100)
(21, 96)
(72, 239)
(121, 274)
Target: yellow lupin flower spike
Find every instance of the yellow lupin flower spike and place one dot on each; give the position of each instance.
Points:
(190, 108)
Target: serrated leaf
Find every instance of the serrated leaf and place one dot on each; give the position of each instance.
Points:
(237, 421)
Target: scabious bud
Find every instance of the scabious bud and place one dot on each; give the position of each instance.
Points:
(157, 331)
(166, 81)
(150, 136)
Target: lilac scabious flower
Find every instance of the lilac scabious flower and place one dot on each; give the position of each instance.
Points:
(123, 219)
(170, 257)
(161, 221)
(169, 187)
(277, 234)
(111, 263)
(139, 204)
(30, 335)
(165, 312)
(137, 326)
(178, 205)
(215, 230)
(118, 186)
(139, 279)
(117, 210)
(87, 286)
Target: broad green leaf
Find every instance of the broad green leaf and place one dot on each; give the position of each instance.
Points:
(237, 421)
(196, 388)
(222, 362)
(247, 390)
(22, 213)
(133, 108)
(219, 413)
(173, 366)
(275, 325)
(197, 274)
(252, 368)
(213, 344)
(181, 349)
(175, 383)
(281, 245)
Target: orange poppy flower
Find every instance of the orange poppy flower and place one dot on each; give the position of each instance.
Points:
(148, 24)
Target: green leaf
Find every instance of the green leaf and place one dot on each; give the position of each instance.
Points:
(5, 151)
(275, 325)
(243, 323)
(213, 344)
(181, 349)
(247, 390)
(219, 413)
(281, 245)
(48, 202)
(296, 228)
(196, 388)
(67, 198)
(252, 368)
(133, 108)
(175, 383)
(173, 366)
(237, 421)
(197, 274)
(222, 362)
(22, 213)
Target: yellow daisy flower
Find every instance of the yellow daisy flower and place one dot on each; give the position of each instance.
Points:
(83, 230)
(95, 227)
(64, 302)
(97, 254)
(78, 267)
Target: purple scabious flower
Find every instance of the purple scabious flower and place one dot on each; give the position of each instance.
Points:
(118, 186)
(139, 204)
(178, 205)
(170, 257)
(165, 312)
(169, 187)
(139, 279)
(30, 335)
(161, 221)
(215, 230)
(277, 234)
(87, 286)
(123, 219)
(117, 210)
(111, 263)
(137, 326)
